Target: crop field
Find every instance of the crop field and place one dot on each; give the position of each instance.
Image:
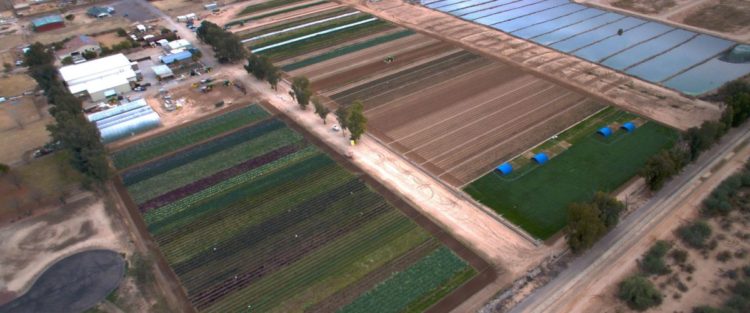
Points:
(535, 197)
(257, 218)
(460, 115)
(683, 60)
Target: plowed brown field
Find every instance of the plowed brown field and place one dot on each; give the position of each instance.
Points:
(460, 115)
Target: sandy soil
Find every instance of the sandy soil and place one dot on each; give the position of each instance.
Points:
(726, 16)
(108, 39)
(608, 86)
(30, 246)
(17, 142)
(10, 41)
(596, 294)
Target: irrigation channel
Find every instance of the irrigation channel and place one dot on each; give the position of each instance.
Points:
(686, 61)
(73, 284)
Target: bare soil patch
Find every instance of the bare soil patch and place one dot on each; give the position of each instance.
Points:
(91, 26)
(108, 39)
(18, 141)
(731, 16)
(645, 6)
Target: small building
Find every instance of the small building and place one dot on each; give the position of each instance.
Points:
(162, 72)
(540, 158)
(628, 127)
(213, 7)
(101, 78)
(505, 169)
(604, 131)
(46, 23)
(76, 47)
(176, 57)
(179, 44)
(100, 12)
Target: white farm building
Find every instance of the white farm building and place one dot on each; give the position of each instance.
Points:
(100, 78)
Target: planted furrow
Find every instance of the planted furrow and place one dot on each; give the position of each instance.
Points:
(274, 262)
(201, 184)
(159, 166)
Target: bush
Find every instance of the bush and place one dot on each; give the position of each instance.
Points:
(653, 261)
(121, 32)
(639, 293)
(89, 55)
(70, 17)
(679, 256)
(695, 234)
(724, 256)
(708, 309)
(67, 61)
(7, 67)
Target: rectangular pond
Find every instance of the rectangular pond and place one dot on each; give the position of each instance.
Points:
(682, 57)
(539, 17)
(593, 36)
(519, 12)
(629, 38)
(554, 24)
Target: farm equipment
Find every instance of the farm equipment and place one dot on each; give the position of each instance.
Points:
(388, 59)
(227, 83)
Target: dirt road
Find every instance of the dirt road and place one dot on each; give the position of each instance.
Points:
(604, 264)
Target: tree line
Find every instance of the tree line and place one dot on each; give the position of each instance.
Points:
(589, 221)
(669, 162)
(226, 45)
(71, 128)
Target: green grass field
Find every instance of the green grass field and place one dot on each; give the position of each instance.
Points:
(535, 197)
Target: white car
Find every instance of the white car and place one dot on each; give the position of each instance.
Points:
(336, 128)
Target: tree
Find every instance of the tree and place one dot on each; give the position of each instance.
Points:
(197, 55)
(227, 45)
(320, 109)
(609, 207)
(301, 89)
(639, 293)
(357, 122)
(91, 54)
(342, 116)
(584, 226)
(271, 71)
(659, 168)
(121, 32)
(37, 55)
(67, 60)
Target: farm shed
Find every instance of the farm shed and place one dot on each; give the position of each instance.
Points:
(213, 7)
(46, 23)
(131, 118)
(100, 78)
(162, 72)
(540, 158)
(76, 47)
(176, 57)
(628, 126)
(177, 45)
(505, 168)
(605, 131)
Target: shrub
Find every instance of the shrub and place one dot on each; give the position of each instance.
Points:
(70, 17)
(695, 234)
(121, 32)
(639, 293)
(708, 309)
(67, 61)
(679, 256)
(724, 256)
(653, 261)
(7, 67)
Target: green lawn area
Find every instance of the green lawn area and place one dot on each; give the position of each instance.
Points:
(535, 197)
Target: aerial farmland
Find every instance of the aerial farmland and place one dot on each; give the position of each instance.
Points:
(375, 156)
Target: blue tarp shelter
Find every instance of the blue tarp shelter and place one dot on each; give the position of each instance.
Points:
(505, 168)
(176, 57)
(628, 126)
(604, 131)
(540, 158)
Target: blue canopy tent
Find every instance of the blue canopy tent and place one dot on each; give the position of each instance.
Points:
(628, 126)
(505, 168)
(540, 158)
(604, 131)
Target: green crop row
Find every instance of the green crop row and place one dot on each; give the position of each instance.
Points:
(329, 261)
(183, 175)
(325, 40)
(346, 50)
(269, 14)
(265, 6)
(308, 30)
(185, 136)
(403, 288)
(168, 215)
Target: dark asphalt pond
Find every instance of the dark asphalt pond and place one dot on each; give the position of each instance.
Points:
(73, 284)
